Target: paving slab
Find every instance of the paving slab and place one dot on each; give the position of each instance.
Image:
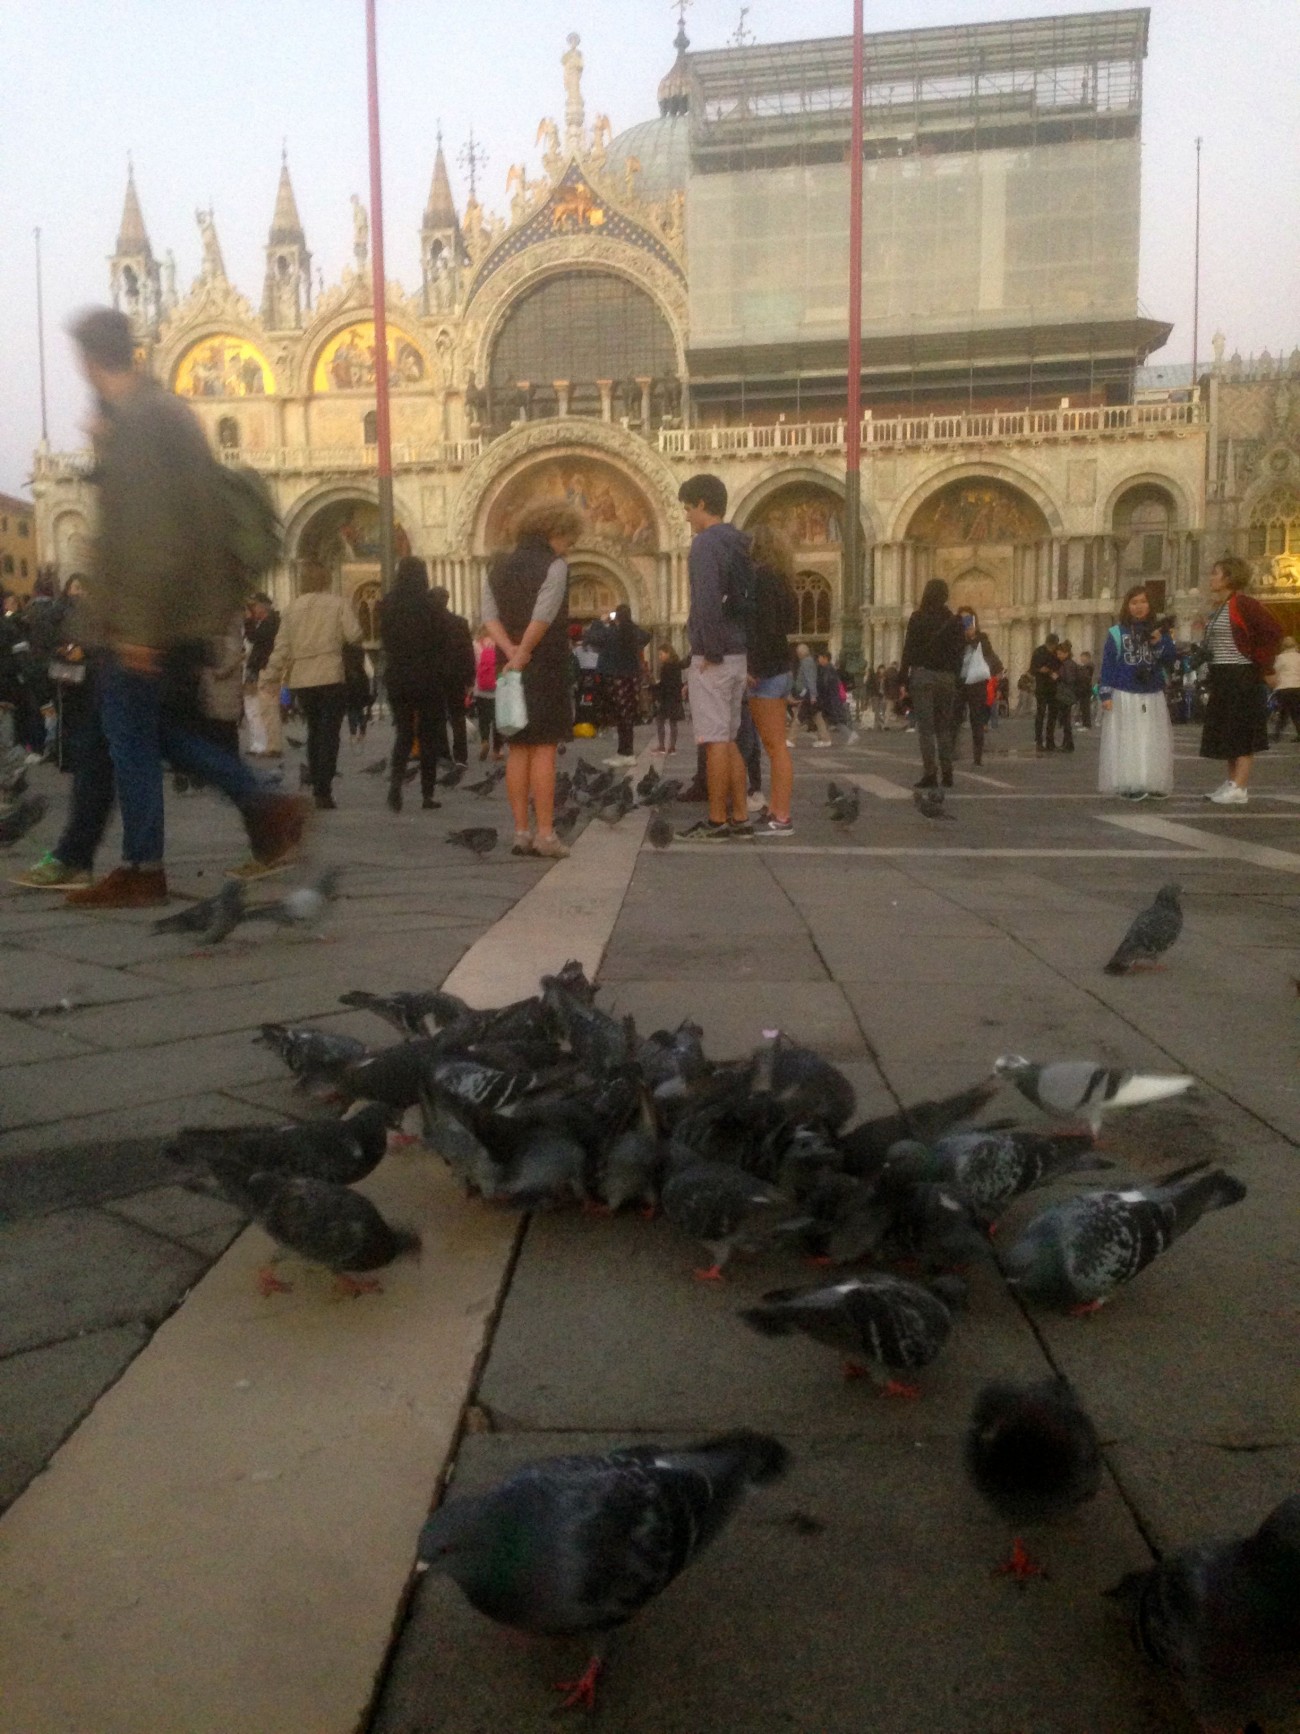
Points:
(45, 1392)
(76, 1270)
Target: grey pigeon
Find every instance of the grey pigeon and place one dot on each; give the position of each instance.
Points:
(211, 919)
(378, 769)
(648, 783)
(486, 785)
(864, 1150)
(480, 840)
(1066, 1088)
(931, 1225)
(580, 1544)
(843, 805)
(1152, 932)
(21, 818)
(929, 804)
(663, 794)
(406, 1012)
(723, 1206)
(1076, 1254)
(897, 1325)
(548, 1170)
(325, 1224)
(304, 906)
(629, 1171)
(452, 776)
(1223, 1616)
(993, 1167)
(392, 1075)
(342, 1151)
(313, 1056)
(660, 832)
(1032, 1452)
(566, 820)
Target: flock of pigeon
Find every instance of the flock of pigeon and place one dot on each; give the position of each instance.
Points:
(552, 1102)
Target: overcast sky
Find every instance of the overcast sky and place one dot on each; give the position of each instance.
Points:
(203, 94)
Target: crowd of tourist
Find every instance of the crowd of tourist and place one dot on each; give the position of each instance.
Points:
(125, 670)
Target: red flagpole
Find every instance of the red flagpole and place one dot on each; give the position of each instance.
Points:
(854, 597)
(383, 424)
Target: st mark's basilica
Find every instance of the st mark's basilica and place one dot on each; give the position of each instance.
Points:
(673, 298)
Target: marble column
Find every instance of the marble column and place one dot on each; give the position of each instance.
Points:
(606, 389)
(561, 389)
(645, 381)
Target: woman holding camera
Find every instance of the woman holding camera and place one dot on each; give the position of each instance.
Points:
(1137, 743)
(1241, 641)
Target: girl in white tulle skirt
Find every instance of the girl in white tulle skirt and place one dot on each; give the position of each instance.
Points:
(1137, 745)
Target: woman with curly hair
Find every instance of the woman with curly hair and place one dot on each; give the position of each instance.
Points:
(526, 612)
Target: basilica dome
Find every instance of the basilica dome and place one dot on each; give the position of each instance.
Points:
(662, 147)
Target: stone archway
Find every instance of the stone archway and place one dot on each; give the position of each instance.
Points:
(811, 518)
(342, 535)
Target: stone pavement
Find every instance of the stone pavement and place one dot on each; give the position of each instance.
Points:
(857, 1593)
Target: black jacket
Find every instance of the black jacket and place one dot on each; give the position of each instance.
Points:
(776, 617)
(457, 663)
(934, 640)
(413, 633)
(261, 642)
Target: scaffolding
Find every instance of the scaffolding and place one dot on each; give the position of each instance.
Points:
(1001, 203)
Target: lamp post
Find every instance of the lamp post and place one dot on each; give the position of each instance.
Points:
(851, 626)
(383, 425)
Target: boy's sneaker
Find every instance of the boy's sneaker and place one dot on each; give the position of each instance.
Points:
(741, 829)
(776, 828)
(705, 831)
(51, 874)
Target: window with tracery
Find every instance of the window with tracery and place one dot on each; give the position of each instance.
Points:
(583, 327)
(813, 593)
(370, 428)
(1275, 525)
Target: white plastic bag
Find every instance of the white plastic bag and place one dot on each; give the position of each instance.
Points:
(512, 706)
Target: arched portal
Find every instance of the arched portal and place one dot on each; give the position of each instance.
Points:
(811, 518)
(343, 537)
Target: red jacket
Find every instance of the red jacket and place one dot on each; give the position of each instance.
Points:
(1255, 632)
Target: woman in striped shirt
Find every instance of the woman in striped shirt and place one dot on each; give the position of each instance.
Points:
(1241, 640)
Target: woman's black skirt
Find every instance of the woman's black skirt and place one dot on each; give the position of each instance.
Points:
(1236, 717)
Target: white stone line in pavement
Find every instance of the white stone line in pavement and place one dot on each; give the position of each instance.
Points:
(223, 1544)
(979, 777)
(1226, 848)
(782, 847)
(882, 787)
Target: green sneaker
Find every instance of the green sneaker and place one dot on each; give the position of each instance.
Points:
(51, 874)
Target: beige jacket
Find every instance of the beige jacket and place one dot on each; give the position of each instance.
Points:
(309, 645)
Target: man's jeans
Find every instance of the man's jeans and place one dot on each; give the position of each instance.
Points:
(141, 732)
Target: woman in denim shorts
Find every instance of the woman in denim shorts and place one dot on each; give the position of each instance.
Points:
(771, 669)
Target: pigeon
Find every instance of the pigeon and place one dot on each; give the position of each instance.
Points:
(864, 1150)
(211, 919)
(580, 1544)
(993, 1167)
(325, 1224)
(806, 1086)
(1223, 1616)
(663, 794)
(723, 1206)
(1076, 1254)
(930, 1225)
(452, 776)
(488, 783)
(929, 804)
(547, 1170)
(660, 832)
(648, 783)
(341, 1151)
(407, 1012)
(313, 1056)
(480, 840)
(629, 1172)
(392, 1075)
(1033, 1453)
(843, 805)
(378, 769)
(295, 743)
(304, 906)
(1152, 933)
(563, 789)
(1065, 1088)
(897, 1325)
(21, 818)
(615, 810)
(566, 820)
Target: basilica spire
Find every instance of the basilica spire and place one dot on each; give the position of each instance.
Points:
(286, 291)
(442, 248)
(133, 272)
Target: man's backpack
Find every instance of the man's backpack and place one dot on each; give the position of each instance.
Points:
(253, 535)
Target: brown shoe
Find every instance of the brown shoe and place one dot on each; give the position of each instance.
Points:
(275, 825)
(124, 888)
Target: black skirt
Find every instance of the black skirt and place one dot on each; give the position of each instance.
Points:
(1236, 716)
